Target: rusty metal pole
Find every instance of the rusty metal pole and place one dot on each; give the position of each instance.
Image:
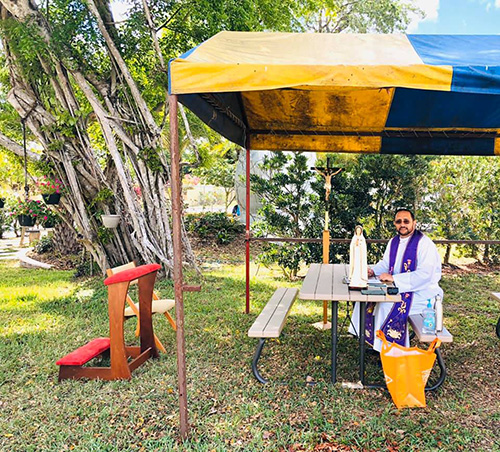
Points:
(175, 185)
(247, 231)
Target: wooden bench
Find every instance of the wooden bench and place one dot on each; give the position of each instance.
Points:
(416, 322)
(270, 322)
(496, 296)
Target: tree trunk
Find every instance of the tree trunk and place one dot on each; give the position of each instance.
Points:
(447, 254)
(129, 130)
(486, 254)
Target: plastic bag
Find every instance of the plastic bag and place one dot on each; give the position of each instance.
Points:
(406, 371)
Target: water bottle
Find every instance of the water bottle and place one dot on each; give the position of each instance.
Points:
(438, 306)
(429, 326)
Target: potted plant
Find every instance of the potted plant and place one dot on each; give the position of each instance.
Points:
(49, 219)
(27, 211)
(50, 189)
(110, 221)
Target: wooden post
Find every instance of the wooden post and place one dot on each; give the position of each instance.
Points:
(326, 260)
(247, 232)
(175, 185)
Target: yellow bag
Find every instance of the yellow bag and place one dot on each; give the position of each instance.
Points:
(406, 371)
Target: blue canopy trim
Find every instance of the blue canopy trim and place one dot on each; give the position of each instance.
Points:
(433, 145)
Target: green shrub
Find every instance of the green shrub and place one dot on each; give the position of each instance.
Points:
(214, 226)
(44, 245)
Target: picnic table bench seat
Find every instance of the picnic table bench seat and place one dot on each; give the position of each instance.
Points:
(417, 322)
(270, 322)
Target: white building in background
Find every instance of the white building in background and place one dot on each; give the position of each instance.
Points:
(256, 158)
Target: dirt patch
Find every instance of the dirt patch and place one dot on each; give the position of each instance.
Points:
(59, 262)
(476, 267)
(230, 253)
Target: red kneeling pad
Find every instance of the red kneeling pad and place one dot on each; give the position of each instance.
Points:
(131, 274)
(85, 353)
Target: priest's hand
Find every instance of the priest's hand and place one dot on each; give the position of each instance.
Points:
(371, 273)
(386, 277)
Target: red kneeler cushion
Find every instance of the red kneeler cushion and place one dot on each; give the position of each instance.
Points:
(84, 354)
(131, 274)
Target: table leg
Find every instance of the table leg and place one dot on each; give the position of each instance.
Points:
(334, 340)
(362, 318)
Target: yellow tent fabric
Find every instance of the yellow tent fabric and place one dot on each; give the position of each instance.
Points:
(245, 61)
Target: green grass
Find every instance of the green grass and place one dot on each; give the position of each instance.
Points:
(45, 314)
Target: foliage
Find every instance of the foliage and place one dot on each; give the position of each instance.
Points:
(216, 226)
(44, 245)
(287, 208)
(218, 168)
(49, 186)
(6, 222)
(336, 16)
(11, 173)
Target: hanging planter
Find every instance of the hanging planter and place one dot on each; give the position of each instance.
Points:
(110, 221)
(26, 220)
(50, 189)
(52, 199)
(28, 211)
(49, 224)
(2, 203)
(49, 219)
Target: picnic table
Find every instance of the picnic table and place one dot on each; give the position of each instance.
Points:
(328, 282)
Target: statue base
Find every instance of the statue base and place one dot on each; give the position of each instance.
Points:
(322, 326)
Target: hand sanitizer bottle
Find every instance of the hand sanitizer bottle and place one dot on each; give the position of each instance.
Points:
(429, 324)
(438, 306)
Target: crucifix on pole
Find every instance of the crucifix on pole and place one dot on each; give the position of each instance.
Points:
(327, 172)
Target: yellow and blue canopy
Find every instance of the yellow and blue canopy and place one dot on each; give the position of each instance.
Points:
(393, 94)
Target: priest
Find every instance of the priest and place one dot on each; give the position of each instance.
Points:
(412, 263)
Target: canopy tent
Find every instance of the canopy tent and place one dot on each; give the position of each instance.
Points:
(404, 94)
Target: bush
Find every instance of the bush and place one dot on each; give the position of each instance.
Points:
(44, 245)
(217, 226)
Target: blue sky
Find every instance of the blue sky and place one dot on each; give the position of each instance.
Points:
(458, 17)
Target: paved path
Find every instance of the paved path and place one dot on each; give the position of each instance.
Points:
(10, 249)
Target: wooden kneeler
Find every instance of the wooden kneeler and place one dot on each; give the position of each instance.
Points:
(71, 366)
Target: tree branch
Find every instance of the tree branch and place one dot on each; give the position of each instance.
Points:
(17, 149)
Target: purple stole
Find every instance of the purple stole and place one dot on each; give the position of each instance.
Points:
(395, 325)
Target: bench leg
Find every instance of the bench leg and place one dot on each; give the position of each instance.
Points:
(442, 375)
(255, 360)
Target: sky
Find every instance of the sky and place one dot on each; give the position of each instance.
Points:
(457, 17)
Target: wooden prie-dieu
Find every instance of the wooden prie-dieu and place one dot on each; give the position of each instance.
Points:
(72, 365)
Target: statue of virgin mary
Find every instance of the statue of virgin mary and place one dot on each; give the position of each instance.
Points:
(358, 266)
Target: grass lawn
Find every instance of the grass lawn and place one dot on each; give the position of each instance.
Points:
(46, 314)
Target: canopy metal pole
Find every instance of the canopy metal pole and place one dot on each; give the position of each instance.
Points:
(175, 184)
(247, 230)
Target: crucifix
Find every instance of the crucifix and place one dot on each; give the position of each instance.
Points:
(327, 172)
